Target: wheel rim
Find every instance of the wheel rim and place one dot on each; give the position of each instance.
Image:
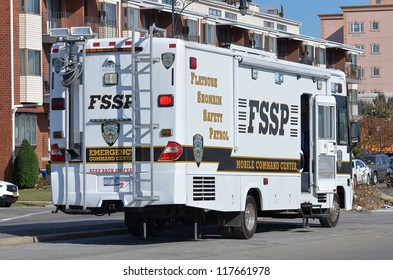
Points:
(335, 210)
(249, 217)
(375, 180)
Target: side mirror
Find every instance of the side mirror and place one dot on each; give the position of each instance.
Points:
(355, 133)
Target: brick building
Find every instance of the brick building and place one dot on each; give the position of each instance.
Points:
(367, 27)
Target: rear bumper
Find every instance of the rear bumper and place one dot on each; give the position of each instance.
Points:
(8, 199)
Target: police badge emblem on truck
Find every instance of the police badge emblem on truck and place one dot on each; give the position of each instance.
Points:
(198, 148)
(110, 132)
(167, 59)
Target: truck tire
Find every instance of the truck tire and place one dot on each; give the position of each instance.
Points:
(374, 178)
(248, 220)
(334, 214)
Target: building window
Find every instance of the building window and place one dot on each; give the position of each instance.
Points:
(378, 2)
(375, 48)
(257, 41)
(375, 72)
(210, 34)
(30, 62)
(268, 24)
(320, 55)
(230, 15)
(308, 55)
(25, 128)
(214, 12)
(270, 44)
(356, 27)
(362, 74)
(190, 30)
(107, 14)
(147, 20)
(30, 6)
(131, 18)
(375, 26)
(281, 27)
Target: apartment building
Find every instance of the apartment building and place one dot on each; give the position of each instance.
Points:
(367, 27)
(26, 44)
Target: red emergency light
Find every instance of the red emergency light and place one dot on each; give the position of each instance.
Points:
(193, 63)
(58, 104)
(165, 100)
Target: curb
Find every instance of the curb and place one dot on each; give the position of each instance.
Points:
(19, 240)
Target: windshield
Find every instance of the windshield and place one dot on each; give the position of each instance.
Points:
(369, 160)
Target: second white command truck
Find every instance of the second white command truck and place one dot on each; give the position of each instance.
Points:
(168, 130)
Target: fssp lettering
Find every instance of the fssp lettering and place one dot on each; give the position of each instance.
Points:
(110, 101)
(273, 116)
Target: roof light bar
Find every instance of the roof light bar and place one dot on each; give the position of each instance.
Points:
(59, 32)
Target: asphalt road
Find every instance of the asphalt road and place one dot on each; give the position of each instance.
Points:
(358, 236)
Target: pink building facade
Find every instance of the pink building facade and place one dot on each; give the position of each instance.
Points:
(369, 27)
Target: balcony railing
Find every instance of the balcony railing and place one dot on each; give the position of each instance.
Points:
(186, 37)
(102, 28)
(353, 72)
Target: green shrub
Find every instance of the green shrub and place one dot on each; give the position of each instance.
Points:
(48, 170)
(26, 167)
(357, 152)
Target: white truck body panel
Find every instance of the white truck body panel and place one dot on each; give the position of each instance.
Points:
(237, 115)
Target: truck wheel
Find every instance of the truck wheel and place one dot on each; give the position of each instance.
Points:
(374, 178)
(334, 214)
(248, 220)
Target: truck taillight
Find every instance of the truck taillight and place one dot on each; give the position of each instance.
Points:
(171, 152)
(165, 100)
(193, 63)
(56, 154)
(58, 104)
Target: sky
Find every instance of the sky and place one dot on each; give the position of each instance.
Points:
(307, 11)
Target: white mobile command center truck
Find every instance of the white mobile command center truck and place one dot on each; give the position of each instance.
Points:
(169, 130)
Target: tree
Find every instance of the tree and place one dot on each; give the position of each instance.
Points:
(380, 107)
(26, 167)
(379, 113)
(178, 6)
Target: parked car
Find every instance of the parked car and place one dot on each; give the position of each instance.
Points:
(390, 167)
(389, 176)
(8, 193)
(361, 172)
(379, 164)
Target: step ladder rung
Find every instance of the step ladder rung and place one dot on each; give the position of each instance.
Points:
(146, 58)
(143, 108)
(147, 125)
(142, 180)
(146, 198)
(142, 90)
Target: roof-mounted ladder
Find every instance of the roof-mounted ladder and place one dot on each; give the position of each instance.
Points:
(142, 119)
